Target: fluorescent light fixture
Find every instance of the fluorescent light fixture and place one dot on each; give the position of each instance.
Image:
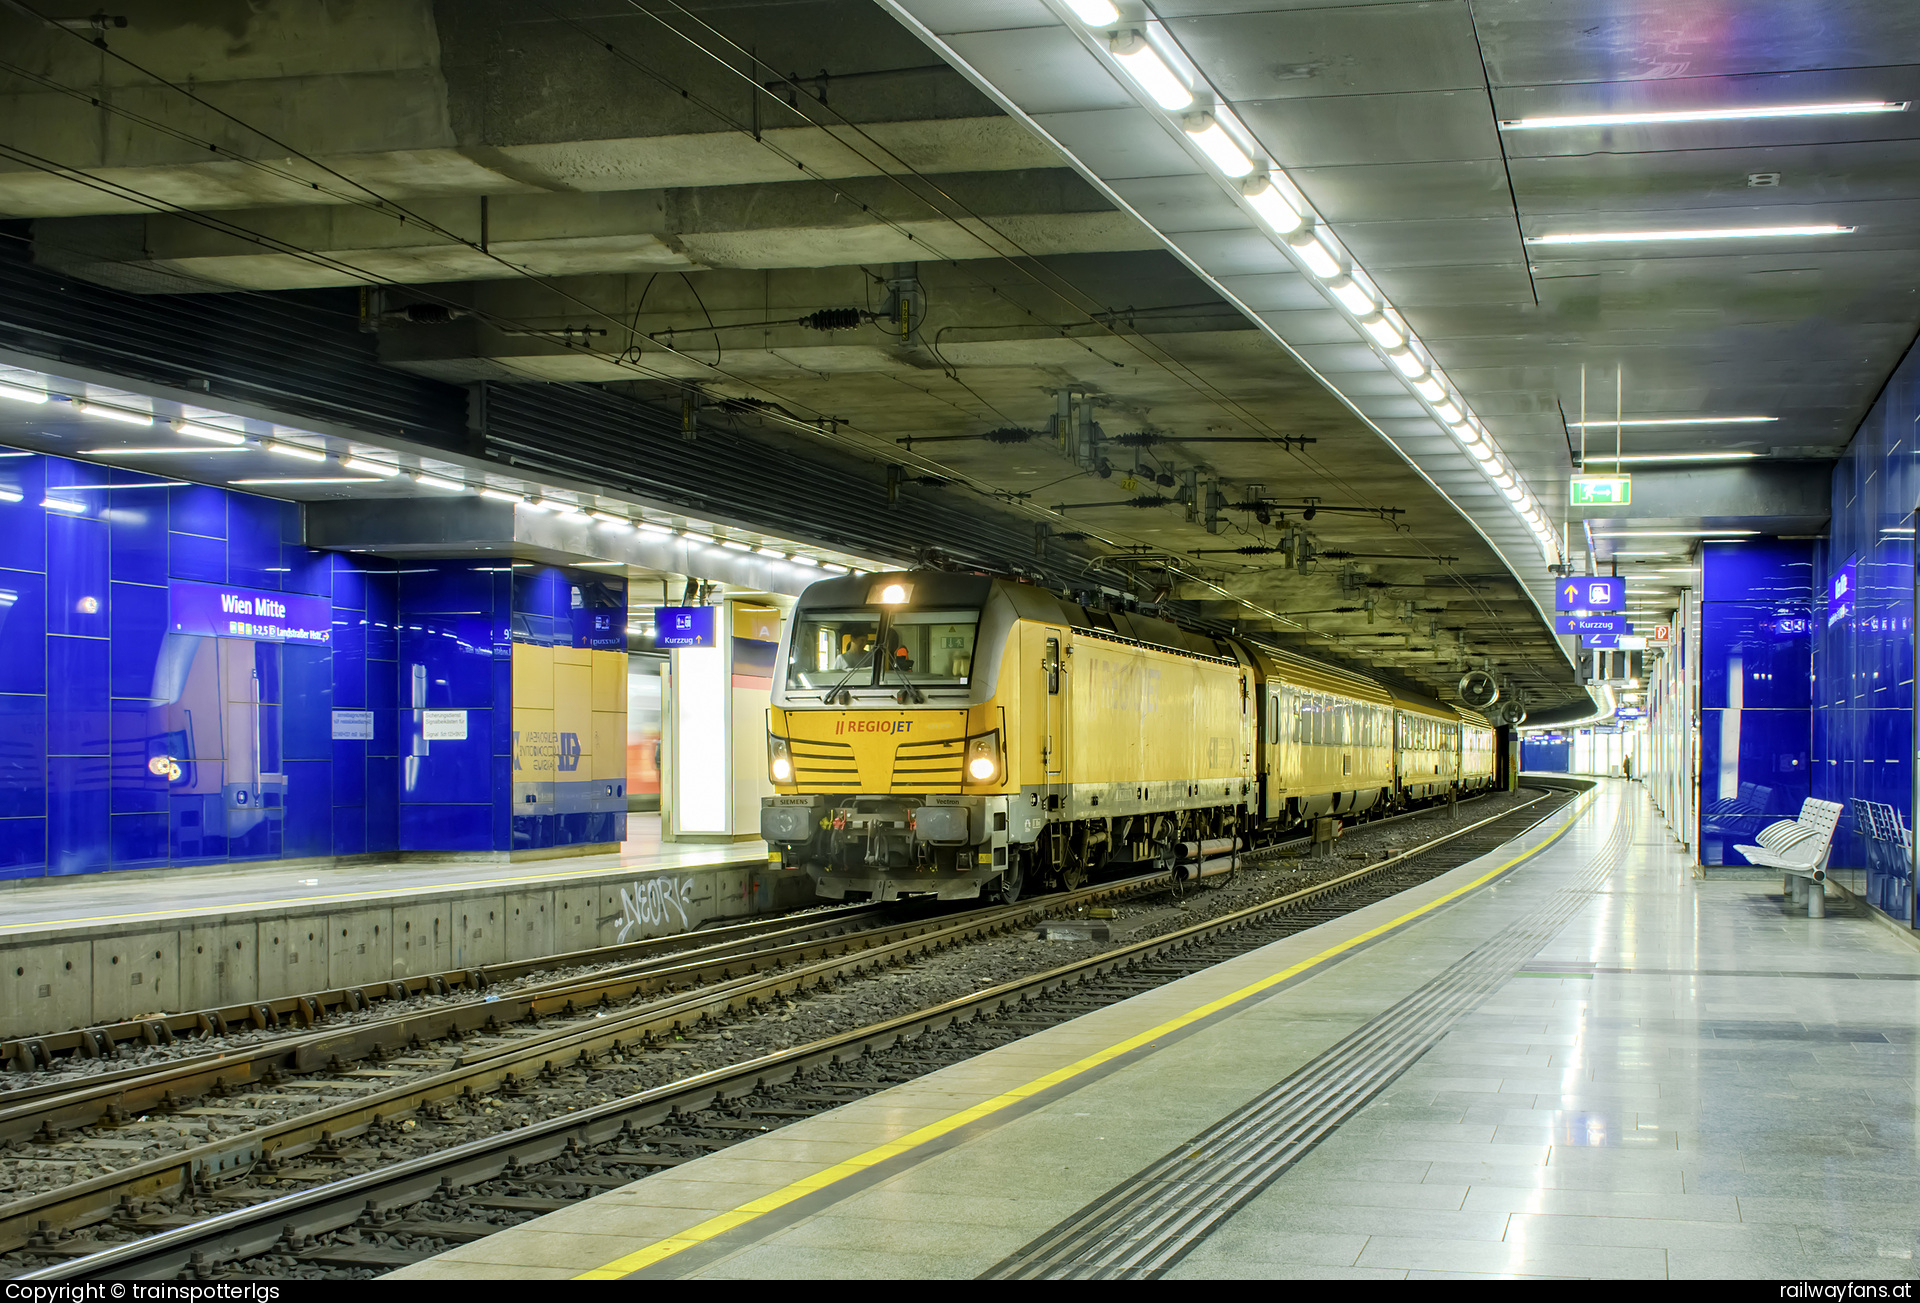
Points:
(1271, 205)
(384, 469)
(212, 434)
(735, 545)
(1352, 296)
(1652, 458)
(809, 562)
(535, 506)
(1313, 251)
(121, 414)
(22, 394)
(173, 451)
(1669, 552)
(321, 479)
(1383, 331)
(63, 504)
(696, 538)
(832, 568)
(1143, 63)
(607, 518)
(1217, 145)
(1674, 533)
(1644, 422)
(772, 552)
(296, 450)
(1631, 119)
(1409, 364)
(1429, 388)
(658, 531)
(500, 495)
(1897, 530)
(1449, 411)
(1094, 13)
(427, 481)
(1706, 233)
(561, 508)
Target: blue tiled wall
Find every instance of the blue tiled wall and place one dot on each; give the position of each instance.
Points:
(1546, 754)
(1756, 664)
(119, 739)
(1863, 723)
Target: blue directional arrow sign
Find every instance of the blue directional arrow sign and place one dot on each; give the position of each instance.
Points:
(1615, 624)
(1590, 593)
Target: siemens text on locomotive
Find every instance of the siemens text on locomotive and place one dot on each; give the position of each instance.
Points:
(955, 735)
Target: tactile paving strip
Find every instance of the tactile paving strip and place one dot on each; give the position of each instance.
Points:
(1143, 1227)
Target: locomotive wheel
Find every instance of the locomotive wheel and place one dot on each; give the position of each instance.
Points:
(1012, 881)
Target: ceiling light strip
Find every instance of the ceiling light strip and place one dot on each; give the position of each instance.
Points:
(1226, 145)
(1661, 118)
(1704, 233)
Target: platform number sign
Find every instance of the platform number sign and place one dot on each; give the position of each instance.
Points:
(1590, 593)
(684, 626)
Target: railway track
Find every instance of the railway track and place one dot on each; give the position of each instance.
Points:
(603, 1132)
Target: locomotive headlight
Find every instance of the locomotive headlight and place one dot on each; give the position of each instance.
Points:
(779, 760)
(983, 758)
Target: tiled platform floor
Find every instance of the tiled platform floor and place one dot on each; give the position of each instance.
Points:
(40, 904)
(1684, 1081)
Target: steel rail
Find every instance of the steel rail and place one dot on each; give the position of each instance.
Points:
(720, 985)
(255, 1229)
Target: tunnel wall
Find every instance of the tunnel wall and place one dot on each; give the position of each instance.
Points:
(1864, 659)
(142, 728)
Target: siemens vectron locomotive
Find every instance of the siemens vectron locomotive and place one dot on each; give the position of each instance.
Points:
(955, 735)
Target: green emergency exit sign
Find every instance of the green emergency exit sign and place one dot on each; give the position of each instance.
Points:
(1602, 490)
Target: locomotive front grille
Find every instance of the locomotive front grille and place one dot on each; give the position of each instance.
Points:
(918, 766)
(823, 763)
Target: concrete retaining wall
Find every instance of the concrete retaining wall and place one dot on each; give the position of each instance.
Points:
(56, 979)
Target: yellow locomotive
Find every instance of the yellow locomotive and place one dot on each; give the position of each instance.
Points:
(948, 735)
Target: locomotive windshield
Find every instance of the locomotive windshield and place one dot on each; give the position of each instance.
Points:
(863, 647)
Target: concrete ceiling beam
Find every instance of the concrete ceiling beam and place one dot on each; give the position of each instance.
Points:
(792, 224)
(417, 100)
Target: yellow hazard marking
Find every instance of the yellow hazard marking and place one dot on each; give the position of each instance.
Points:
(746, 1212)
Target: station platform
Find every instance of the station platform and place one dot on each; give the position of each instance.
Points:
(1570, 1058)
(110, 946)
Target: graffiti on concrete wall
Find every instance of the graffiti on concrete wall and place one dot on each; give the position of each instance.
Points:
(655, 902)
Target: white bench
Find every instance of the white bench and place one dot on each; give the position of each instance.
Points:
(1800, 847)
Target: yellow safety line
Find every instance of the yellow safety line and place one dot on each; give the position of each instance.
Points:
(746, 1212)
(374, 893)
